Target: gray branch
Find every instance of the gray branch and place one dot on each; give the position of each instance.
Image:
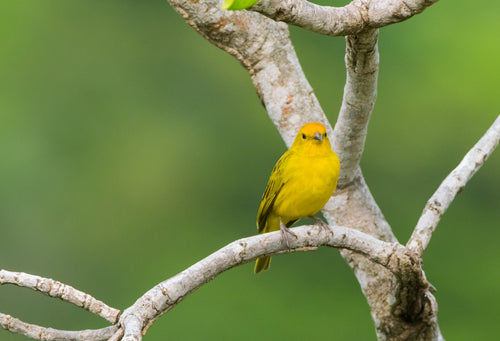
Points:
(451, 186)
(263, 47)
(62, 291)
(352, 19)
(41, 333)
(136, 319)
(360, 92)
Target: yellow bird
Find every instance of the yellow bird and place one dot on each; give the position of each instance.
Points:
(300, 184)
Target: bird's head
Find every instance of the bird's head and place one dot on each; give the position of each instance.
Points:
(312, 136)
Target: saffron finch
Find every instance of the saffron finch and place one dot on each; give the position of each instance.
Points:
(300, 184)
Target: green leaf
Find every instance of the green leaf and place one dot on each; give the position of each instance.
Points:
(236, 5)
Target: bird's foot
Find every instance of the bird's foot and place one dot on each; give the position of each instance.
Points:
(322, 225)
(285, 231)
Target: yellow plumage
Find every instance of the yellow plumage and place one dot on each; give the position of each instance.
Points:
(300, 184)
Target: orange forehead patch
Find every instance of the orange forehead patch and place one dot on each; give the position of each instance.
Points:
(311, 128)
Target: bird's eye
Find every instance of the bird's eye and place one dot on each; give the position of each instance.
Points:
(324, 134)
(304, 136)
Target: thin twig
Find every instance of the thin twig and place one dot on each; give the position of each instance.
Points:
(33, 331)
(451, 186)
(60, 290)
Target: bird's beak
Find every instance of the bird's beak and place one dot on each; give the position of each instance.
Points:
(318, 136)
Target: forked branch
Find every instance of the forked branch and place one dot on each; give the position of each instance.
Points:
(136, 319)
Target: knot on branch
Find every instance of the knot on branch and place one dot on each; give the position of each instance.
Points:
(413, 295)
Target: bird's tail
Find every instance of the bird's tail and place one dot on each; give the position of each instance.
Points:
(262, 263)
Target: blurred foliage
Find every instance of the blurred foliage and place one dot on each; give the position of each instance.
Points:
(234, 5)
(123, 161)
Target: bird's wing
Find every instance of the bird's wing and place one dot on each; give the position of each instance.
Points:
(273, 188)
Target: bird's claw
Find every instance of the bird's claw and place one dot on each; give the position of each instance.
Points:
(322, 225)
(284, 233)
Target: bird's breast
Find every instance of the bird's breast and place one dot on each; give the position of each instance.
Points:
(308, 186)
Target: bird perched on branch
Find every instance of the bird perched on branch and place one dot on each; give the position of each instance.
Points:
(300, 184)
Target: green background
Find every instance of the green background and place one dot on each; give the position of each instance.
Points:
(130, 148)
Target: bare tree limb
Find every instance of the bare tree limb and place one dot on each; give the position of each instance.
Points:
(60, 290)
(41, 333)
(451, 186)
(352, 19)
(360, 92)
(264, 48)
(169, 293)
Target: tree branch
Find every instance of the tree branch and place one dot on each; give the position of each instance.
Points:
(360, 92)
(264, 48)
(62, 291)
(356, 17)
(451, 186)
(169, 293)
(40, 333)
